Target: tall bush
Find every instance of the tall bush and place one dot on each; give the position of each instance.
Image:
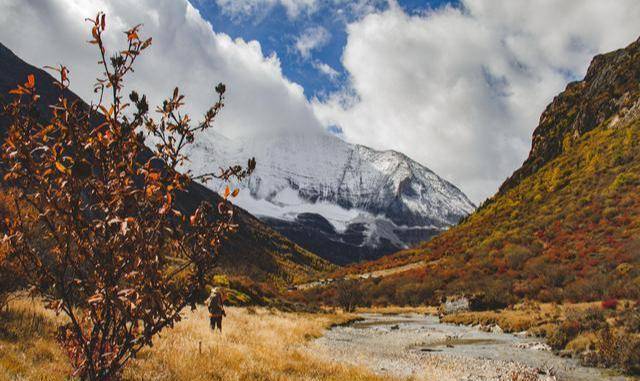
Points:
(108, 245)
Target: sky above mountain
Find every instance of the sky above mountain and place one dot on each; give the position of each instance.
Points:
(308, 36)
(457, 86)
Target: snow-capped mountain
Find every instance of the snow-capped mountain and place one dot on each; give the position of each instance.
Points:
(345, 202)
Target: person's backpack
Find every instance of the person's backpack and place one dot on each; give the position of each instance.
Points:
(215, 304)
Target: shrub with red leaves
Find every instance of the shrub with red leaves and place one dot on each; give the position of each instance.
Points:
(610, 304)
(94, 228)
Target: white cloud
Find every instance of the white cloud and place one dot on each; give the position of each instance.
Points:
(458, 89)
(294, 8)
(311, 39)
(326, 70)
(186, 52)
(356, 9)
(461, 89)
(344, 9)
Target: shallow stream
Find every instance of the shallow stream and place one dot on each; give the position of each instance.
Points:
(421, 346)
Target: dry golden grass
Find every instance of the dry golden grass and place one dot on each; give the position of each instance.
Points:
(509, 321)
(582, 342)
(27, 350)
(536, 318)
(256, 344)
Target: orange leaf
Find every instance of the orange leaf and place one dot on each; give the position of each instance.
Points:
(62, 168)
(235, 192)
(31, 81)
(226, 192)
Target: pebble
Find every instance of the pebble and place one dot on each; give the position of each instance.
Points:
(534, 346)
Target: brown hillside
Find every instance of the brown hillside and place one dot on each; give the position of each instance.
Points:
(566, 225)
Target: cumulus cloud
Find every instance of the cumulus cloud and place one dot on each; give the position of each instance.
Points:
(243, 8)
(460, 89)
(311, 39)
(186, 52)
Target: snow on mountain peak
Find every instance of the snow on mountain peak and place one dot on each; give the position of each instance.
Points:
(320, 173)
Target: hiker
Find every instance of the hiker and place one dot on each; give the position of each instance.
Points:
(216, 309)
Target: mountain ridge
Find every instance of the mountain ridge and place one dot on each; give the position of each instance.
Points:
(391, 200)
(581, 107)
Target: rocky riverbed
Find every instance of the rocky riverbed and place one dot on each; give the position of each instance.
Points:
(421, 347)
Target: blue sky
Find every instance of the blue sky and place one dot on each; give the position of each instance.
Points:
(277, 33)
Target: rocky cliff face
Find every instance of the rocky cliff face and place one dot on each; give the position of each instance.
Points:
(609, 88)
(347, 202)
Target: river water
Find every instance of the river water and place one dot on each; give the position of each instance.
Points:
(421, 347)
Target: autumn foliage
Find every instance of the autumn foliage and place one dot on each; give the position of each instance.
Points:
(9, 282)
(564, 227)
(93, 226)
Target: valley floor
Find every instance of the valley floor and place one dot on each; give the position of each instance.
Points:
(265, 344)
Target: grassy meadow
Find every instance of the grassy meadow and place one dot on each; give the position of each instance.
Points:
(256, 344)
